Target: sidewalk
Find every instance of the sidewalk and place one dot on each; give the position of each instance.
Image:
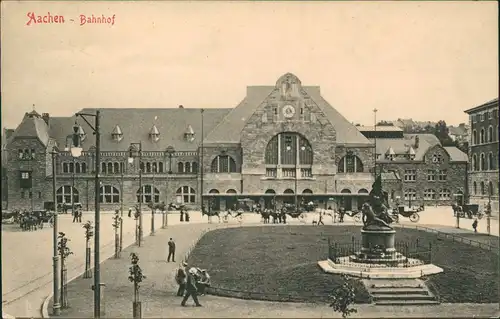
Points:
(159, 288)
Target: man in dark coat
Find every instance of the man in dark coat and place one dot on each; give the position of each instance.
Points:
(191, 290)
(171, 250)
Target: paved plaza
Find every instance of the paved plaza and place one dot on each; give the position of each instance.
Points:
(27, 265)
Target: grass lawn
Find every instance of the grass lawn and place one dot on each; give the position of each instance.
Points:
(281, 261)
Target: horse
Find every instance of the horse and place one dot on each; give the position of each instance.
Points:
(210, 214)
(333, 214)
(265, 213)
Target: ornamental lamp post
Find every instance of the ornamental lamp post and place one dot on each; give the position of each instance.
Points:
(135, 150)
(170, 152)
(76, 151)
(56, 306)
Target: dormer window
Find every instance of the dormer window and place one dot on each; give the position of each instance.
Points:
(117, 134)
(189, 134)
(411, 154)
(390, 154)
(154, 134)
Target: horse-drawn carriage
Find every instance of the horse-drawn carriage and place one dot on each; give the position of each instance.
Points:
(407, 212)
(468, 210)
(64, 207)
(10, 217)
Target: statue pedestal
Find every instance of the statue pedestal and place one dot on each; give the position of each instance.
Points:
(377, 246)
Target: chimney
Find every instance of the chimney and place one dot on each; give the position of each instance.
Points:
(417, 141)
(46, 117)
(181, 106)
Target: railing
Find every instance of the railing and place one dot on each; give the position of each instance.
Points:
(413, 254)
(455, 238)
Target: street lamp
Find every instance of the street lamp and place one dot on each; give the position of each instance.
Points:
(56, 307)
(133, 153)
(121, 206)
(153, 199)
(76, 151)
(170, 152)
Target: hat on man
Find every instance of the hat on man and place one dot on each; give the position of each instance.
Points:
(193, 271)
(184, 264)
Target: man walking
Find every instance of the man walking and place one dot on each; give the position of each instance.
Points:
(171, 250)
(181, 279)
(474, 225)
(191, 290)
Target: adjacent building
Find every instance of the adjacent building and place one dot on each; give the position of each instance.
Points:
(483, 154)
(429, 173)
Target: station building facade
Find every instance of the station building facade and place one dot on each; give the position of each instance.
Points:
(483, 154)
(281, 143)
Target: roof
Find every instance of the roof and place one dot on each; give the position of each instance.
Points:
(32, 125)
(231, 126)
(379, 128)
(390, 176)
(402, 146)
(457, 130)
(136, 124)
(456, 155)
(492, 103)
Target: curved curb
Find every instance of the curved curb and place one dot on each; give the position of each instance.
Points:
(45, 306)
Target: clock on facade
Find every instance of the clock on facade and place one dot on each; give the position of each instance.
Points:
(288, 111)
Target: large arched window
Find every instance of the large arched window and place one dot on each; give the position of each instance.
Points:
(474, 137)
(345, 191)
(482, 162)
(482, 188)
(180, 167)
(490, 134)
(109, 194)
(307, 191)
(63, 194)
(194, 167)
(490, 188)
(350, 164)
(290, 151)
(288, 191)
(65, 167)
(223, 164)
(363, 191)
(474, 188)
(491, 162)
(270, 191)
(185, 195)
(481, 136)
(147, 194)
(213, 191)
(231, 191)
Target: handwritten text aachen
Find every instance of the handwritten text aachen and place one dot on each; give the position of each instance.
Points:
(49, 18)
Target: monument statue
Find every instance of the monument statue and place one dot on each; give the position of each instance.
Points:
(375, 211)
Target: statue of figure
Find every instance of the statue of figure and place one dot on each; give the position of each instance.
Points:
(376, 211)
(370, 218)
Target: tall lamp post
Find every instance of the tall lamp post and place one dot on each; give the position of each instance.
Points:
(76, 151)
(170, 152)
(56, 306)
(121, 206)
(135, 150)
(154, 167)
(201, 161)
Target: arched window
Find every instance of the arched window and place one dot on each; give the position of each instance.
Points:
(148, 167)
(141, 166)
(121, 167)
(429, 194)
(363, 191)
(289, 151)
(474, 162)
(482, 163)
(474, 188)
(482, 136)
(410, 194)
(109, 194)
(231, 191)
(490, 188)
(194, 167)
(180, 167)
(116, 167)
(444, 194)
(223, 164)
(490, 134)
(84, 168)
(270, 191)
(307, 191)
(187, 167)
(65, 167)
(154, 167)
(491, 162)
(71, 167)
(350, 164)
(288, 191)
(110, 168)
(160, 167)
(185, 195)
(103, 168)
(345, 191)
(147, 194)
(474, 137)
(77, 168)
(63, 194)
(213, 191)
(482, 188)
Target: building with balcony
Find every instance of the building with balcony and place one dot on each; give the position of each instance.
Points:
(428, 173)
(281, 143)
(483, 154)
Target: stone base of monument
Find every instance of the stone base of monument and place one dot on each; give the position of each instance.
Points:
(379, 271)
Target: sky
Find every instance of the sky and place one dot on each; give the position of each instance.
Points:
(420, 60)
